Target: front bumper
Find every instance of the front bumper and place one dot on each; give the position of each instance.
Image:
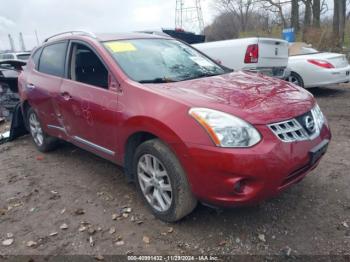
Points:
(266, 169)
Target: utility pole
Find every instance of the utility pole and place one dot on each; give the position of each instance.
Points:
(200, 15)
(12, 44)
(188, 15)
(21, 42)
(178, 14)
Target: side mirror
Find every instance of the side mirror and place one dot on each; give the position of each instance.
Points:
(113, 84)
(218, 61)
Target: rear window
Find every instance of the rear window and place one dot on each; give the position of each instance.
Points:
(23, 57)
(308, 50)
(300, 48)
(52, 59)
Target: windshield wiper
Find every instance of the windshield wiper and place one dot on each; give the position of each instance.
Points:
(157, 81)
(203, 75)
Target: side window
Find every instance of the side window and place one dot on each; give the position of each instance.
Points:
(86, 67)
(52, 59)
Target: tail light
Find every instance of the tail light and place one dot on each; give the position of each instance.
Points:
(252, 54)
(321, 63)
(178, 29)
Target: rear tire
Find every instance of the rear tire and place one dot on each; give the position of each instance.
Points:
(162, 182)
(42, 141)
(296, 79)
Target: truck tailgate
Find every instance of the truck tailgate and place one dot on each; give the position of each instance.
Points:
(272, 53)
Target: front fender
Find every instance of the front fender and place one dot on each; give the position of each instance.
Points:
(149, 125)
(136, 129)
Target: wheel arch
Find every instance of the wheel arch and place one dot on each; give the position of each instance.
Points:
(25, 107)
(147, 129)
(133, 141)
(298, 75)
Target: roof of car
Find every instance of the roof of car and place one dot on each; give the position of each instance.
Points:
(125, 36)
(104, 37)
(16, 53)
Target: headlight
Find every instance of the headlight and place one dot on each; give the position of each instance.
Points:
(318, 116)
(226, 130)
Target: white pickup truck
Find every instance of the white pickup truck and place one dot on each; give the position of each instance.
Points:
(265, 55)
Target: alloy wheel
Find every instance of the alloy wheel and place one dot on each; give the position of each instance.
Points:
(294, 80)
(154, 182)
(36, 130)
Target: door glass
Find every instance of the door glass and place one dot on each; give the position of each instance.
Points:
(52, 59)
(35, 57)
(86, 67)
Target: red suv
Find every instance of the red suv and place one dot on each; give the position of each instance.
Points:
(184, 128)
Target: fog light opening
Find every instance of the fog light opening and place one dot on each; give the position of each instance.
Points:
(239, 186)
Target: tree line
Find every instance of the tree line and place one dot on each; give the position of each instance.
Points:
(314, 21)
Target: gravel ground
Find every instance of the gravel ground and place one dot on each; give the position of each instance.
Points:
(72, 202)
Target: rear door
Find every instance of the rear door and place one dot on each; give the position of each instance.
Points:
(88, 106)
(44, 81)
(272, 53)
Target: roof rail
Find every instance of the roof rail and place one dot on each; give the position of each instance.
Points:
(72, 33)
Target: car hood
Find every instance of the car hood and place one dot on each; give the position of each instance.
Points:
(253, 97)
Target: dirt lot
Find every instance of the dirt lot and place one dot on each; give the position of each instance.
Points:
(64, 203)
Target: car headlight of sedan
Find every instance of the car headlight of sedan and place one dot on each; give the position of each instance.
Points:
(224, 129)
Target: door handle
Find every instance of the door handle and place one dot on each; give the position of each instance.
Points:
(30, 86)
(66, 96)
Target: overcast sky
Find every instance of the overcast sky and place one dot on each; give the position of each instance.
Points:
(100, 16)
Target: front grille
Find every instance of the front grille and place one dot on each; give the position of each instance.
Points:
(302, 121)
(304, 127)
(289, 131)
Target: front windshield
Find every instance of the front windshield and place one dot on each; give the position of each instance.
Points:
(161, 60)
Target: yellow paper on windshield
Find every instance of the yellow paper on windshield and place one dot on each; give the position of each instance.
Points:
(119, 47)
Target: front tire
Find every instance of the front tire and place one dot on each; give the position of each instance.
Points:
(162, 182)
(296, 79)
(42, 141)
